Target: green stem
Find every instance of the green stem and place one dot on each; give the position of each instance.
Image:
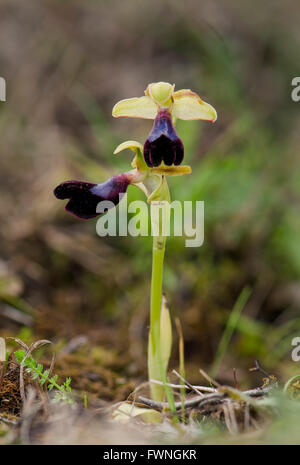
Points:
(155, 359)
(156, 368)
(158, 253)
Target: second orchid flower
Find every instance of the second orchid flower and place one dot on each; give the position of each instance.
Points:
(162, 153)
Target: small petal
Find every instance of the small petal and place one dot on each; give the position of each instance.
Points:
(85, 196)
(189, 106)
(138, 107)
(138, 162)
(129, 144)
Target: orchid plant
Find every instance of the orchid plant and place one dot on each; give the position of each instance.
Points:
(159, 157)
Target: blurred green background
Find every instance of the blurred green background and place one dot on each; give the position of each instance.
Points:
(66, 64)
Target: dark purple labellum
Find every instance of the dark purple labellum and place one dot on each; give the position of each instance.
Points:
(163, 143)
(85, 196)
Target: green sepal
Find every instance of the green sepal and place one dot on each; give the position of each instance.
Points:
(161, 193)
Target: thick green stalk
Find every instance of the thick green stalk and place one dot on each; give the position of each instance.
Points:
(155, 365)
(158, 253)
(158, 362)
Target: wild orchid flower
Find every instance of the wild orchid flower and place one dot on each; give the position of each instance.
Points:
(84, 197)
(162, 104)
(160, 156)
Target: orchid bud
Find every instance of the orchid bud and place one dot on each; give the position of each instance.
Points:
(85, 196)
(163, 143)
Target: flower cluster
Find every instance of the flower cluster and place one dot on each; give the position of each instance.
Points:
(161, 154)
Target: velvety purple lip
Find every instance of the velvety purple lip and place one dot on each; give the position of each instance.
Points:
(84, 197)
(163, 143)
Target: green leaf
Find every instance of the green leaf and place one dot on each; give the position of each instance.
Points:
(19, 354)
(40, 367)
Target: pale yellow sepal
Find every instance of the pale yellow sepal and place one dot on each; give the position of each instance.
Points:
(137, 107)
(160, 93)
(172, 170)
(189, 106)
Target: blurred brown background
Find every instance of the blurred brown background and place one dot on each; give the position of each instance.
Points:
(66, 64)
